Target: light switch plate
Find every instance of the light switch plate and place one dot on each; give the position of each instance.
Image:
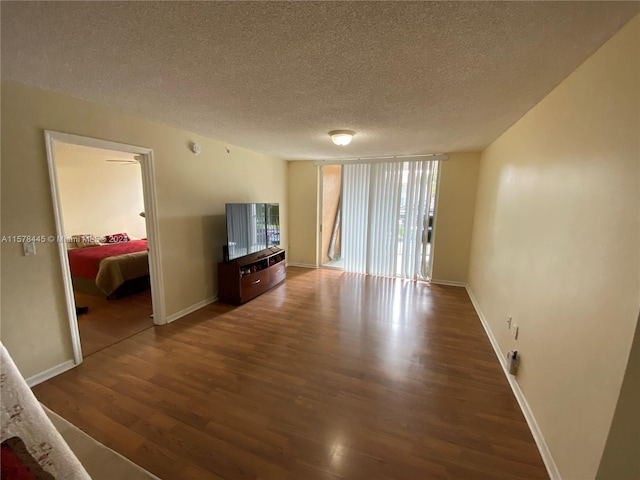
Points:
(29, 248)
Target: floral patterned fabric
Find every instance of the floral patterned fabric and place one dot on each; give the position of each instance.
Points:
(22, 416)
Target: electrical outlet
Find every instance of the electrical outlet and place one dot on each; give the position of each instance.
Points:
(513, 360)
(509, 322)
(514, 331)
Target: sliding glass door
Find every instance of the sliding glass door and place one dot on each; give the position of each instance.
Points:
(388, 211)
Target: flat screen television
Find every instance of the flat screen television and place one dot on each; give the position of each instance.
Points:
(251, 227)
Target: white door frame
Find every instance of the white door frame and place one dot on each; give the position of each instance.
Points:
(151, 221)
(320, 227)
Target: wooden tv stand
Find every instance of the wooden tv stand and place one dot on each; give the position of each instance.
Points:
(246, 277)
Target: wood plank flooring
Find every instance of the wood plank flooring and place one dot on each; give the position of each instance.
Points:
(327, 376)
(110, 321)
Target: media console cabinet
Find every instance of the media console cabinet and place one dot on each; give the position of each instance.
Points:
(246, 277)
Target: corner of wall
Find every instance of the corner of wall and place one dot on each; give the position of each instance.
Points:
(455, 210)
(620, 458)
(536, 255)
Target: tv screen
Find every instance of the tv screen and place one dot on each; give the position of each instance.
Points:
(251, 227)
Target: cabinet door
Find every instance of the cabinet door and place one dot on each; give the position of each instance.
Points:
(277, 273)
(228, 282)
(254, 284)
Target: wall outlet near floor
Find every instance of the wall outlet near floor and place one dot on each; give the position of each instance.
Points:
(513, 360)
(514, 331)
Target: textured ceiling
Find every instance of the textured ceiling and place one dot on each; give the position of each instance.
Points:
(275, 77)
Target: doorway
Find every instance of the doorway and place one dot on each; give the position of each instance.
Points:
(331, 228)
(104, 203)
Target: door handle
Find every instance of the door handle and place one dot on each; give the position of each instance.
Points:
(257, 281)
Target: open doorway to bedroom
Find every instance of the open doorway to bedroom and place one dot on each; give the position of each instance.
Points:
(102, 206)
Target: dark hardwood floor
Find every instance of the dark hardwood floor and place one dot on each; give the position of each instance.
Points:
(329, 375)
(110, 321)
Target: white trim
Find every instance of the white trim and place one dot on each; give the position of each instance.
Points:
(319, 214)
(545, 452)
(70, 301)
(331, 267)
(153, 239)
(302, 265)
(153, 235)
(95, 142)
(192, 308)
(50, 373)
(450, 283)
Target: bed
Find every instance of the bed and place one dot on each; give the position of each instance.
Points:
(109, 269)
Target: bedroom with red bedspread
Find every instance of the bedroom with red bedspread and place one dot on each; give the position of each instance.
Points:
(111, 264)
(84, 262)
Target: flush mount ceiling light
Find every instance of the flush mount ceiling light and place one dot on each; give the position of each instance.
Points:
(341, 137)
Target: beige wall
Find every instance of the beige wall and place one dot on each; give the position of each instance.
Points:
(454, 216)
(191, 193)
(99, 197)
(303, 213)
(621, 457)
(556, 245)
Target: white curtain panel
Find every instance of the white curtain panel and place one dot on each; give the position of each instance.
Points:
(385, 217)
(416, 218)
(355, 216)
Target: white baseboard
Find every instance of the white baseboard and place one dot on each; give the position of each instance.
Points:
(547, 458)
(303, 265)
(331, 267)
(50, 373)
(448, 282)
(192, 308)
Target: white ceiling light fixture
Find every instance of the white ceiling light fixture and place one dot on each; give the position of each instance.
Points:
(341, 137)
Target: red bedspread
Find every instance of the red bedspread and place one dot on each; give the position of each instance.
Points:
(84, 262)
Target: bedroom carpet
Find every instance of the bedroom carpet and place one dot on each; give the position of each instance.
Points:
(110, 321)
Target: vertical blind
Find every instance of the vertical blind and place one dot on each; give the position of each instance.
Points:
(385, 217)
(355, 216)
